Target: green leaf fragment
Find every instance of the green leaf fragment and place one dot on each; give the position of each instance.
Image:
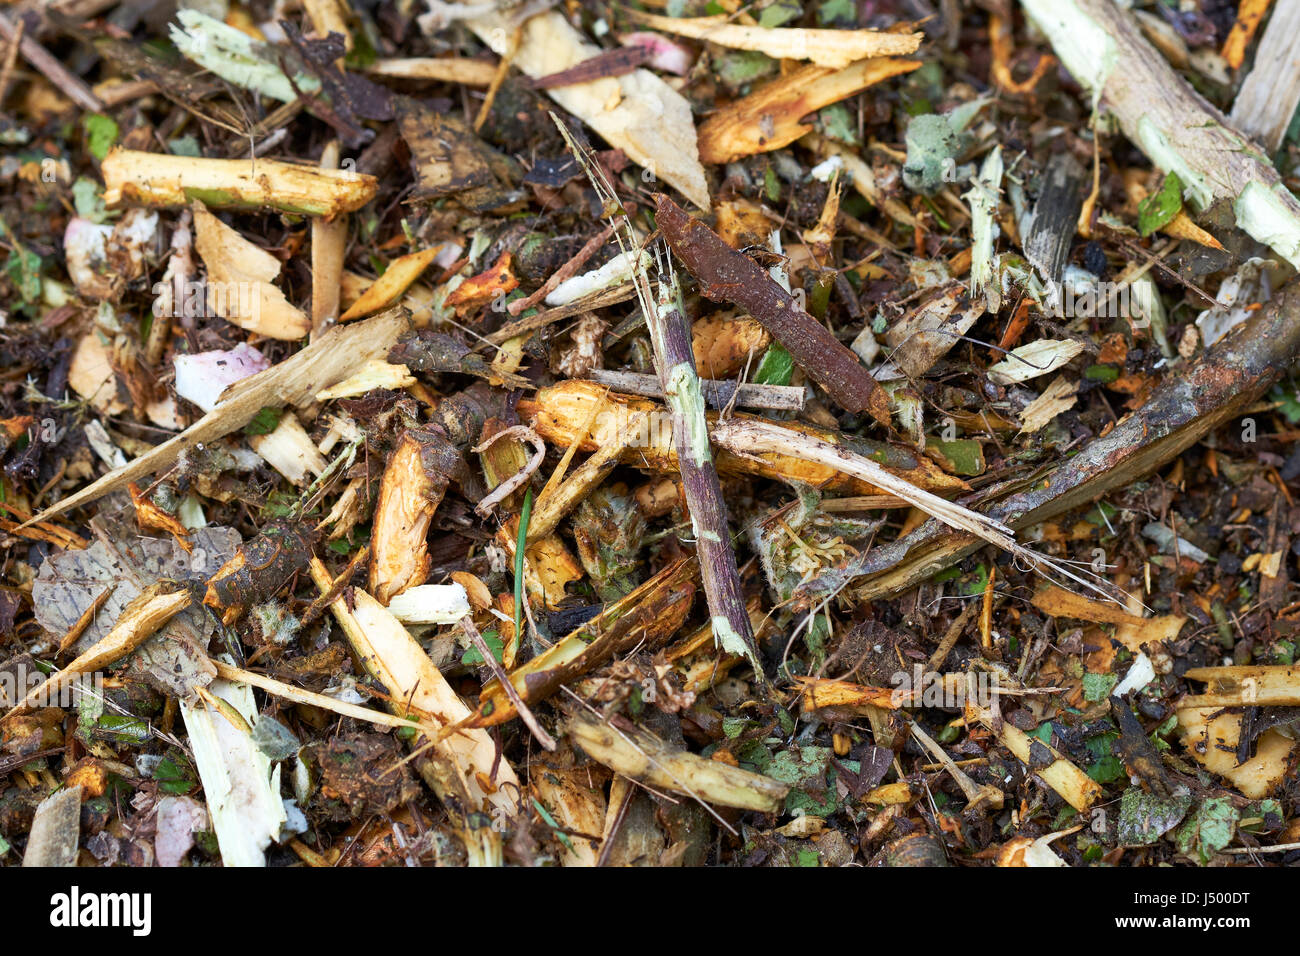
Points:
(771, 185)
(264, 422)
(274, 739)
(236, 57)
(776, 366)
(837, 13)
(185, 146)
(472, 657)
(779, 13)
(1208, 831)
(1145, 817)
(1097, 687)
(550, 822)
(88, 199)
(101, 134)
(1287, 403)
(838, 123)
(962, 456)
(175, 775)
(1160, 208)
(733, 727)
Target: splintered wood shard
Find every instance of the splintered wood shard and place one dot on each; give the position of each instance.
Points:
(731, 276)
(640, 755)
(648, 616)
(463, 767)
(833, 48)
(1104, 49)
(755, 437)
(140, 620)
(329, 359)
(560, 414)
(1270, 93)
(55, 830)
(772, 116)
(241, 784)
(410, 492)
(156, 179)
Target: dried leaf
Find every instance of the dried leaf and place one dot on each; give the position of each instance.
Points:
(1133, 632)
(833, 48)
(637, 112)
(1058, 397)
(770, 117)
(1033, 360)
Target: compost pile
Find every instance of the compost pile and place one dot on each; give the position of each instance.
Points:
(607, 434)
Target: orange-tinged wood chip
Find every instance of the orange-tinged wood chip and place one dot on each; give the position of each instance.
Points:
(485, 287)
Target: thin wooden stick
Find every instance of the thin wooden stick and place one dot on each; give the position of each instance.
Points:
(597, 300)
(327, 598)
(718, 394)
(54, 71)
(11, 57)
(329, 239)
(749, 438)
(862, 503)
(312, 699)
(139, 621)
(520, 478)
(499, 77)
(83, 622)
(553, 505)
(1104, 50)
(526, 715)
(565, 272)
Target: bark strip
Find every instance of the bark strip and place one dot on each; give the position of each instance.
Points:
(1182, 411)
(730, 276)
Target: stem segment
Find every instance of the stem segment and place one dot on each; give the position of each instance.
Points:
(670, 336)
